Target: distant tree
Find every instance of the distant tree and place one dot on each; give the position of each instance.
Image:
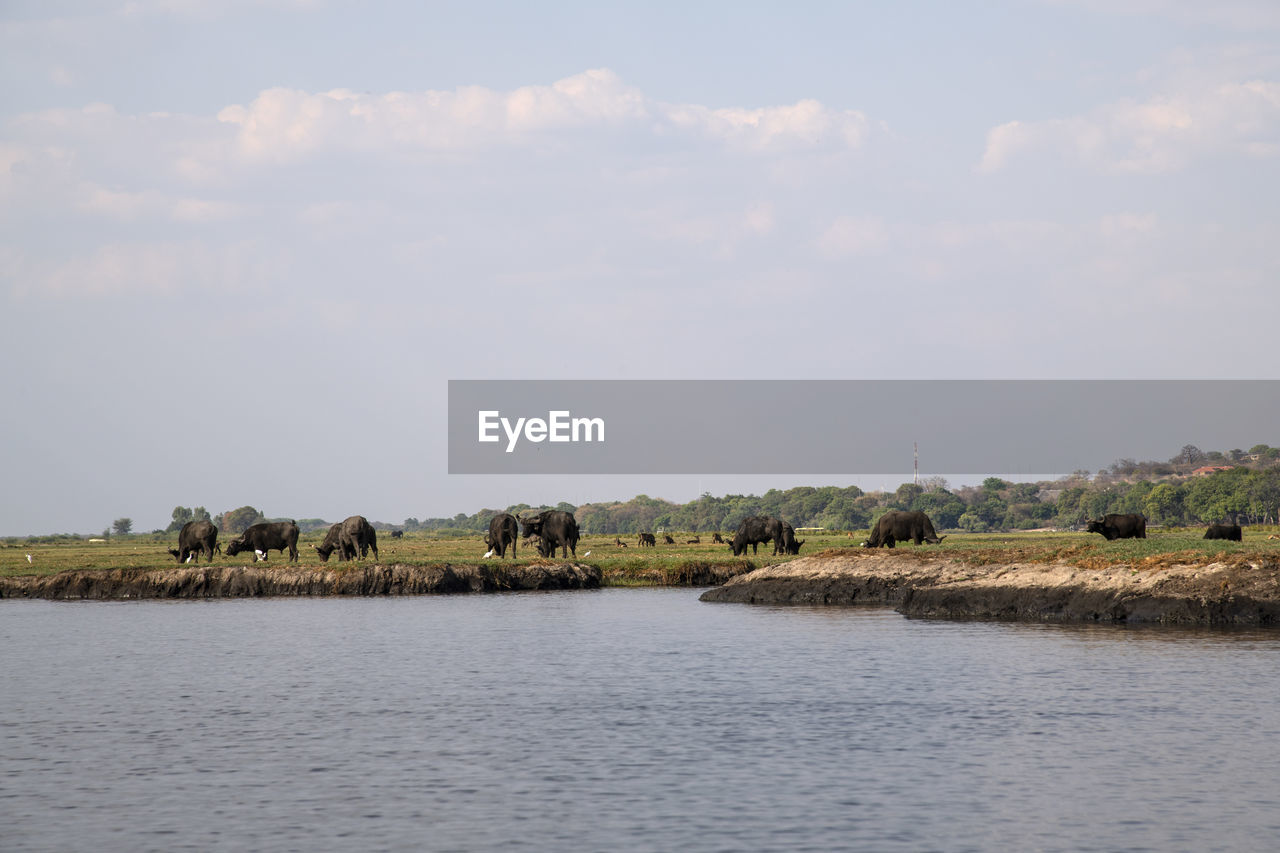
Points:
(181, 515)
(237, 521)
(1163, 504)
(122, 526)
(1189, 454)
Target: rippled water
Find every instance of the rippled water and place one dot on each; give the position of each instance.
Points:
(624, 720)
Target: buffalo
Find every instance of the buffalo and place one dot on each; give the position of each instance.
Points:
(554, 529)
(1118, 526)
(789, 543)
(503, 531)
(667, 540)
(333, 542)
(619, 542)
(900, 525)
(697, 540)
(718, 539)
(754, 530)
(194, 538)
(1230, 532)
(268, 536)
(647, 539)
(351, 538)
(397, 534)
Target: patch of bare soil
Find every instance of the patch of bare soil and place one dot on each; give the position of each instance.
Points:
(1236, 589)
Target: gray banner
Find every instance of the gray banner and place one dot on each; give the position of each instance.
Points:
(845, 426)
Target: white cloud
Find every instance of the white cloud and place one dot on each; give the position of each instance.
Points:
(284, 124)
(1158, 135)
(849, 235)
(146, 268)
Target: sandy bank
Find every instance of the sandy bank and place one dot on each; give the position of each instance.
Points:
(1220, 593)
(255, 581)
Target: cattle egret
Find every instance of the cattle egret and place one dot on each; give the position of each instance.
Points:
(259, 555)
(488, 554)
(28, 558)
(587, 554)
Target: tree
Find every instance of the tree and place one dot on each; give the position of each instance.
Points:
(1163, 504)
(122, 526)
(237, 521)
(181, 515)
(1189, 454)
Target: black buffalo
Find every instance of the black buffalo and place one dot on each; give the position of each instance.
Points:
(789, 543)
(647, 539)
(718, 539)
(667, 540)
(503, 531)
(754, 530)
(397, 534)
(268, 536)
(697, 540)
(899, 525)
(1117, 526)
(554, 529)
(1231, 532)
(333, 542)
(194, 538)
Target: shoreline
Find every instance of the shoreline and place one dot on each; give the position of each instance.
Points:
(239, 581)
(1240, 592)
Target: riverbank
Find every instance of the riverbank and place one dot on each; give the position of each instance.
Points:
(253, 581)
(1231, 591)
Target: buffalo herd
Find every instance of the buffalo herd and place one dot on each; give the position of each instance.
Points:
(554, 530)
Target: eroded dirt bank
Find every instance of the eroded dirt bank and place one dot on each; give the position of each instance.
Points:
(1242, 592)
(254, 581)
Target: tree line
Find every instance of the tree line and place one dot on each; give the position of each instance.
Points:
(1168, 493)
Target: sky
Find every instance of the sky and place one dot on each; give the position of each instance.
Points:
(246, 243)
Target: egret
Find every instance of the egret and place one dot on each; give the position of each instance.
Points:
(488, 554)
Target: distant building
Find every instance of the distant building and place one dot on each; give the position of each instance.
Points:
(1206, 470)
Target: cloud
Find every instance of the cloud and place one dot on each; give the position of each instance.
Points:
(285, 124)
(152, 268)
(1159, 135)
(848, 236)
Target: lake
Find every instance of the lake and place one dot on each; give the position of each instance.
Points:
(624, 719)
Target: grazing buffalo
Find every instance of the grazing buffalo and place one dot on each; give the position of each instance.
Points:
(355, 537)
(899, 525)
(647, 539)
(789, 543)
(718, 539)
(754, 530)
(503, 531)
(1117, 526)
(1231, 532)
(194, 538)
(397, 534)
(333, 542)
(667, 540)
(268, 536)
(554, 529)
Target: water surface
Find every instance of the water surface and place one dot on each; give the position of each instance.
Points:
(624, 720)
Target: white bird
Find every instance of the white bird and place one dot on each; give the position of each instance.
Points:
(28, 558)
(587, 554)
(488, 554)
(259, 555)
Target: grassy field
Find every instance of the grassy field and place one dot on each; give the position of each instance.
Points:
(669, 563)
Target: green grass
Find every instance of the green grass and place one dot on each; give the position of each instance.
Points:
(634, 566)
